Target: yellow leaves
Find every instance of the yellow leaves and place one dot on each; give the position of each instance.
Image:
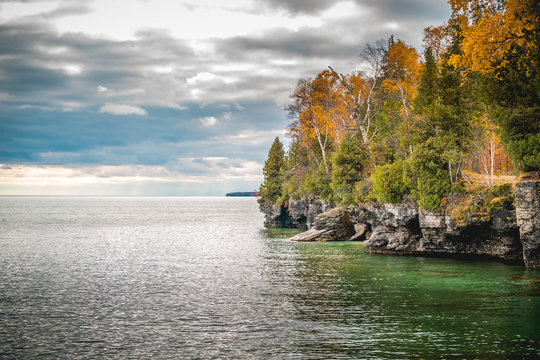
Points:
(491, 32)
(403, 68)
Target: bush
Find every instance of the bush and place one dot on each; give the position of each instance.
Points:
(348, 165)
(500, 197)
(427, 177)
(317, 184)
(389, 185)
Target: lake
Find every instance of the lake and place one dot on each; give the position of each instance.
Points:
(188, 278)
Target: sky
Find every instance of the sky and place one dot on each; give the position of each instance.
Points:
(169, 97)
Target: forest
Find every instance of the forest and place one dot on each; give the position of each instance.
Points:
(459, 117)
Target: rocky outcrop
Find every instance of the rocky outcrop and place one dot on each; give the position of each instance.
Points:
(333, 225)
(299, 214)
(528, 220)
(506, 232)
(437, 234)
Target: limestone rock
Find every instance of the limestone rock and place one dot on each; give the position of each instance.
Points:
(528, 220)
(333, 225)
(298, 214)
(361, 231)
(388, 239)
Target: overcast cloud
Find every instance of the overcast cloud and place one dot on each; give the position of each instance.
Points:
(168, 97)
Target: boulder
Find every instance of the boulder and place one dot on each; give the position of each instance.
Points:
(333, 225)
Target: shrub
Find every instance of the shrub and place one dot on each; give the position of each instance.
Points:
(317, 183)
(348, 165)
(427, 177)
(389, 185)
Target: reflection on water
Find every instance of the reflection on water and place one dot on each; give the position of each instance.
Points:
(200, 278)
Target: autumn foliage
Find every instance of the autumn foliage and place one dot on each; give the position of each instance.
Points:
(407, 126)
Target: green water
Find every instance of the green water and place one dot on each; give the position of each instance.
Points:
(413, 307)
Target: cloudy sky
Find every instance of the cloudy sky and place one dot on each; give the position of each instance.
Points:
(168, 97)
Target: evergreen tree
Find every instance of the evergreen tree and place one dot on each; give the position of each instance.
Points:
(272, 186)
(427, 89)
(349, 163)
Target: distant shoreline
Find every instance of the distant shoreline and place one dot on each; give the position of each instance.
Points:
(243, 194)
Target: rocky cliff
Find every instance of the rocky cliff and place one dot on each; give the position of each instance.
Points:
(528, 220)
(299, 214)
(505, 232)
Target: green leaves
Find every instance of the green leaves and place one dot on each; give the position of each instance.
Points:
(272, 187)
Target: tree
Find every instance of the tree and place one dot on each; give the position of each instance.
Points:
(500, 41)
(401, 72)
(360, 93)
(272, 186)
(349, 163)
(319, 115)
(437, 39)
(427, 89)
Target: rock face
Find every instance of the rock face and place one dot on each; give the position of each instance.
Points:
(528, 220)
(404, 230)
(507, 233)
(299, 214)
(333, 225)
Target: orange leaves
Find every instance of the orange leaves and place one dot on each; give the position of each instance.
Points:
(491, 31)
(403, 72)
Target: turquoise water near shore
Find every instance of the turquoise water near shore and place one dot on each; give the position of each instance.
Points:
(200, 278)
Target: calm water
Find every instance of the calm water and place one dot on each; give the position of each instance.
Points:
(200, 278)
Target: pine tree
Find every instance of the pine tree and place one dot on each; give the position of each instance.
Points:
(427, 90)
(349, 163)
(272, 186)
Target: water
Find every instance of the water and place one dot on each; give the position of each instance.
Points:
(200, 278)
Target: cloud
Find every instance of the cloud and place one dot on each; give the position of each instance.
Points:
(208, 121)
(67, 8)
(190, 98)
(407, 11)
(301, 6)
(122, 109)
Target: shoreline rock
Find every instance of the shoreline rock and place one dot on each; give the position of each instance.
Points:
(333, 225)
(528, 220)
(295, 214)
(507, 233)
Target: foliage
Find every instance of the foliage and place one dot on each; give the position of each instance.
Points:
(271, 188)
(427, 178)
(349, 162)
(402, 128)
(500, 40)
(390, 183)
(317, 184)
